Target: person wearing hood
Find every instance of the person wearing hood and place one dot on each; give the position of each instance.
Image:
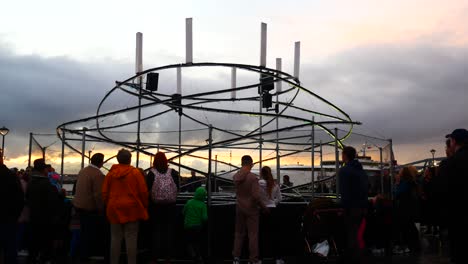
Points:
(125, 195)
(195, 217)
(248, 205)
(353, 187)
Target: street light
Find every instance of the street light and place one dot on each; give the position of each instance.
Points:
(433, 151)
(4, 131)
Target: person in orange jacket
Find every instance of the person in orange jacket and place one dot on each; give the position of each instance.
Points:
(125, 195)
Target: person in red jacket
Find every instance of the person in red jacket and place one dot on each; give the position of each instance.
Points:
(125, 195)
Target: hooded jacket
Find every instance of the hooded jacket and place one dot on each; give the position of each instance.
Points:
(247, 192)
(195, 210)
(125, 194)
(353, 185)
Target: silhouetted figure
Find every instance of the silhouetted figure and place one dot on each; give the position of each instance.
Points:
(11, 204)
(457, 166)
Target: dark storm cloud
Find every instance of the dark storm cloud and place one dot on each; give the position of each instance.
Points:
(38, 94)
(414, 93)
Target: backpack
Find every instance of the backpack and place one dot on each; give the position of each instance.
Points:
(164, 189)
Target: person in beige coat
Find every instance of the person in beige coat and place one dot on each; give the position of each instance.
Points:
(90, 207)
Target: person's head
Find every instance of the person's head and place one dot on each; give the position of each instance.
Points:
(40, 166)
(124, 157)
(265, 173)
(407, 173)
(458, 138)
(193, 174)
(247, 162)
(448, 149)
(97, 160)
(286, 178)
(348, 154)
(160, 162)
(50, 168)
(430, 173)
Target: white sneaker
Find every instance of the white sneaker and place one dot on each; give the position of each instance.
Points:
(406, 250)
(236, 261)
(23, 253)
(280, 261)
(397, 250)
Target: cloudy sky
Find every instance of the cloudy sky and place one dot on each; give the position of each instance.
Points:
(397, 66)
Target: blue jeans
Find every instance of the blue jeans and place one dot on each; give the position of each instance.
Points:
(8, 242)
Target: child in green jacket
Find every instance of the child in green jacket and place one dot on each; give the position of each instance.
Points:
(195, 217)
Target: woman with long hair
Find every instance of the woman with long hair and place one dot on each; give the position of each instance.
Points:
(269, 223)
(163, 185)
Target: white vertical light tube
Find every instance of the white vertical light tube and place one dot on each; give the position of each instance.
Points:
(278, 90)
(179, 80)
(188, 41)
(138, 69)
(139, 53)
(263, 45)
(279, 84)
(233, 82)
(297, 58)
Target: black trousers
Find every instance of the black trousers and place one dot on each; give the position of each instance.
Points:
(163, 221)
(94, 235)
(196, 243)
(41, 247)
(270, 236)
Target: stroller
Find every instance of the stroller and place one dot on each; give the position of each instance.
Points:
(323, 224)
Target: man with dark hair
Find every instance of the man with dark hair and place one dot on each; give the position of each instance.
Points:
(353, 187)
(248, 203)
(124, 156)
(457, 171)
(88, 203)
(11, 204)
(45, 205)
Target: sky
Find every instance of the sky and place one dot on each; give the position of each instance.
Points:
(399, 67)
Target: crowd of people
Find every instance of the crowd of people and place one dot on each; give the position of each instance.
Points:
(113, 207)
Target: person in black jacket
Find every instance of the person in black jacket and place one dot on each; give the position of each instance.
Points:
(11, 204)
(45, 204)
(457, 171)
(353, 186)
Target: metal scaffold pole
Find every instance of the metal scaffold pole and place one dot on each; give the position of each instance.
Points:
(312, 160)
(208, 185)
(62, 163)
(83, 147)
(381, 171)
(391, 168)
(30, 149)
(337, 165)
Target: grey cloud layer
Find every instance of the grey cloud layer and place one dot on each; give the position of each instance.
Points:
(409, 93)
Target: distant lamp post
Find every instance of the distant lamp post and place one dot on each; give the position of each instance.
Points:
(433, 151)
(4, 131)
